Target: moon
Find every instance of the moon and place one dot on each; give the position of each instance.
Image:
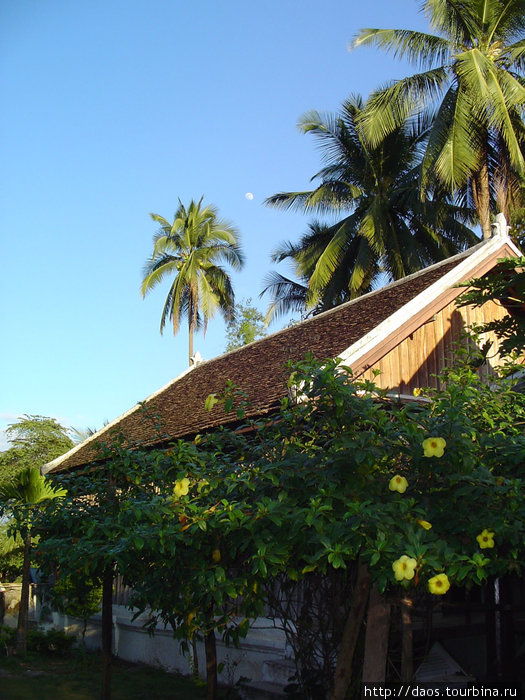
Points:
(249, 195)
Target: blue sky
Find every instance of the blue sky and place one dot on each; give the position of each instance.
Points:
(116, 108)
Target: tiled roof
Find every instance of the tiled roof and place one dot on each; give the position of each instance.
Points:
(259, 369)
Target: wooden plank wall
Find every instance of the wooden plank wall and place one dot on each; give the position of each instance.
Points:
(415, 361)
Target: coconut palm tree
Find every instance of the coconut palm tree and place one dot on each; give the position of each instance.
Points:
(382, 224)
(22, 496)
(190, 250)
(473, 78)
(292, 295)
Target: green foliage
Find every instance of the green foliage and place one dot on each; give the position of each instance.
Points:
(51, 641)
(504, 285)
(11, 555)
(247, 326)
(7, 637)
(21, 498)
(77, 675)
(35, 440)
(517, 222)
(383, 224)
(200, 529)
(79, 598)
(472, 78)
(22, 495)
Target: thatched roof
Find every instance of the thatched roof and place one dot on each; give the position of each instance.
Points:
(259, 369)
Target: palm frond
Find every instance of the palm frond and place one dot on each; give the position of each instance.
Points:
(389, 108)
(516, 54)
(329, 258)
(425, 50)
(287, 296)
(154, 272)
(453, 18)
(30, 488)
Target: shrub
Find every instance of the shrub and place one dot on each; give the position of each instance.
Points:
(50, 642)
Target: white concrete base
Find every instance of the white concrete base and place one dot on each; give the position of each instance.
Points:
(132, 642)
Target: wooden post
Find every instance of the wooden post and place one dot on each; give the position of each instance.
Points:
(343, 671)
(210, 648)
(376, 639)
(491, 646)
(107, 632)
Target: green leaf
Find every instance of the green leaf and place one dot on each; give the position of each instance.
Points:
(210, 402)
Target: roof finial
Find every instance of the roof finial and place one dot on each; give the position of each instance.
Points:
(499, 227)
(196, 359)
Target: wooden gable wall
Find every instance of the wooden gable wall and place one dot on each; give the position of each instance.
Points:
(415, 361)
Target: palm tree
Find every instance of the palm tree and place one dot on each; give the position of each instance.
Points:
(389, 229)
(293, 295)
(23, 495)
(191, 249)
(473, 78)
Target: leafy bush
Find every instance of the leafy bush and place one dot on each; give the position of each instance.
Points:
(11, 556)
(7, 638)
(42, 642)
(50, 642)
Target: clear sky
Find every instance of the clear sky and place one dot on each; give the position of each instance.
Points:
(112, 109)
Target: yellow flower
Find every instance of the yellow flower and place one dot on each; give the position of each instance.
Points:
(398, 483)
(417, 391)
(404, 568)
(486, 539)
(434, 447)
(181, 487)
(425, 524)
(202, 485)
(216, 555)
(439, 585)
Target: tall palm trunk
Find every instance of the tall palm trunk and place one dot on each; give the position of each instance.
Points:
(192, 320)
(190, 342)
(23, 614)
(481, 194)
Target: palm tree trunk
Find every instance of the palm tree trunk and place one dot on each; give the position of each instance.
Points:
(192, 320)
(23, 611)
(481, 193)
(190, 343)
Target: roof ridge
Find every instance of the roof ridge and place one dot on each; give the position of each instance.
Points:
(404, 280)
(355, 332)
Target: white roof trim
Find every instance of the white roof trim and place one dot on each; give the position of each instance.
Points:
(50, 466)
(352, 354)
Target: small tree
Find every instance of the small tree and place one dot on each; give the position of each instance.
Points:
(95, 529)
(35, 440)
(247, 326)
(80, 597)
(23, 496)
